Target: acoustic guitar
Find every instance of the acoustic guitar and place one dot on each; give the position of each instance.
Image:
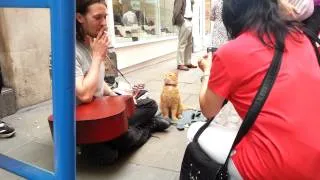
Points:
(102, 120)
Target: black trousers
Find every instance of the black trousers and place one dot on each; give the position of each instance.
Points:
(138, 134)
(139, 130)
(144, 112)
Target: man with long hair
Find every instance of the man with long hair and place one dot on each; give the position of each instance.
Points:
(91, 51)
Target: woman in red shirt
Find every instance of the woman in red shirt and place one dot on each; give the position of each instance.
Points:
(284, 141)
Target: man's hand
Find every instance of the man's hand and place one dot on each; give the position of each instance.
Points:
(204, 64)
(99, 45)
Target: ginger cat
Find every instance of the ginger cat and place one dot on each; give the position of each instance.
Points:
(170, 100)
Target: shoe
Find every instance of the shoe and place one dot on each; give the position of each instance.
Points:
(183, 68)
(6, 131)
(191, 66)
(159, 124)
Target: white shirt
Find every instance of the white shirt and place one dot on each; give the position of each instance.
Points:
(83, 64)
(188, 10)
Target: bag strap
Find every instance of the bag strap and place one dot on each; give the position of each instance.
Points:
(203, 127)
(259, 99)
(314, 39)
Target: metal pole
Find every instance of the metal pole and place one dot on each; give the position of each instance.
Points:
(63, 69)
(24, 3)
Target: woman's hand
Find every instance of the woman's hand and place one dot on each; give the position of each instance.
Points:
(205, 64)
(99, 45)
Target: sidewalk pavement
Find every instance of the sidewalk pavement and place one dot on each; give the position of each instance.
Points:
(159, 159)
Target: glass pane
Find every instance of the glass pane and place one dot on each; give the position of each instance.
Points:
(166, 12)
(136, 20)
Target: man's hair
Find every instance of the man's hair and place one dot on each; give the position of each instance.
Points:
(82, 8)
(259, 16)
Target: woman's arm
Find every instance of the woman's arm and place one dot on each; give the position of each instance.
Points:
(210, 103)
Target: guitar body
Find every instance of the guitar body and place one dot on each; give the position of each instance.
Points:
(104, 119)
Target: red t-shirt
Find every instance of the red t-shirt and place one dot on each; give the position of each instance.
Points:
(284, 140)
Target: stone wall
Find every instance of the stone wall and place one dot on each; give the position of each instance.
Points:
(24, 53)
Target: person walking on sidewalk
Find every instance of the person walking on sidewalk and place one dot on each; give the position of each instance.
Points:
(182, 17)
(219, 32)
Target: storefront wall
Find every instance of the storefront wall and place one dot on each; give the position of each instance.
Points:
(137, 54)
(24, 53)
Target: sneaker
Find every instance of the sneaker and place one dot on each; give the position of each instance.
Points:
(159, 124)
(6, 131)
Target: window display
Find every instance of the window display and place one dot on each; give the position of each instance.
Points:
(136, 20)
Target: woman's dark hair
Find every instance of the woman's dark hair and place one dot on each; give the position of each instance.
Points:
(82, 8)
(259, 16)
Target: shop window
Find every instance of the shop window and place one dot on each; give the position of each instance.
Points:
(136, 20)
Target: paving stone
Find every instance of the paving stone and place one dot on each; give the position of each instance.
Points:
(5, 175)
(9, 144)
(164, 151)
(34, 153)
(126, 171)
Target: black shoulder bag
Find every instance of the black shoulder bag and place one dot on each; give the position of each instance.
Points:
(196, 163)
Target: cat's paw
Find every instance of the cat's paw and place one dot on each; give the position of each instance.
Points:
(175, 118)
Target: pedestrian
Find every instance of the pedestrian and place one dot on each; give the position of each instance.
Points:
(219, 32)
(182, 18)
